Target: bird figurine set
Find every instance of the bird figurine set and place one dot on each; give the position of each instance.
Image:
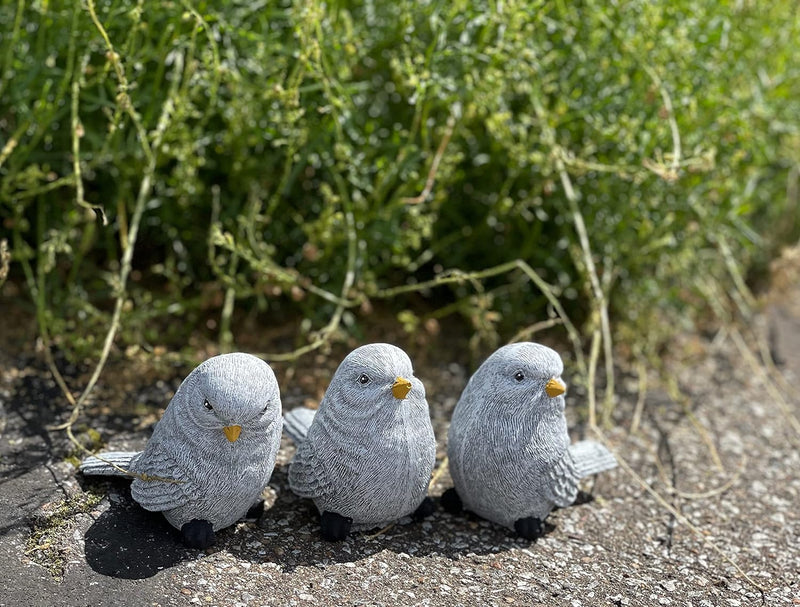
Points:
(366, 455)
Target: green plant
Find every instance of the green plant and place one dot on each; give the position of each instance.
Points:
(522, 164)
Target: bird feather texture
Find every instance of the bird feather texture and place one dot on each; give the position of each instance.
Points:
(508, 447)
(189, 469)
(367, 455)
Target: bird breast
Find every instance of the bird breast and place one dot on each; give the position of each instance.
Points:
(382, 466)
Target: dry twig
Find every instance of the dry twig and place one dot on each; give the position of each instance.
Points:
(679, 517)
(437, 158)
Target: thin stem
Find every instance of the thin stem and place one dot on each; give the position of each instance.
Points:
(641, 371)
(127, 256)
(594, 355)
(77, 133)
(13, 44)
(597, 289)
(5, 260)
(13, 141)
(549, 137)
(531, 330)
(437, 158)
(673, 123)
(123, 99)
(679, 517)
(746, 301)
(769, 385)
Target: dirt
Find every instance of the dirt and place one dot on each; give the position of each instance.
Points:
(725, 459)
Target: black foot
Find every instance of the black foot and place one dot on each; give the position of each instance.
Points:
(583, 498)
(335, 527)
(530, 528)
(425, 509)
(198, 534)
(451, 502)
(256, 510)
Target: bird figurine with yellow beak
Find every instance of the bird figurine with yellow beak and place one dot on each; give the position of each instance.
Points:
(213, 451)
(366, 455)
(509, 453)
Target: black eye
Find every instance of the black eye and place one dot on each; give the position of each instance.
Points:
(363, 379)
(519, 376)
(207, 405)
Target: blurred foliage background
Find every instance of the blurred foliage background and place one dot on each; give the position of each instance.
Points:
(307, 159)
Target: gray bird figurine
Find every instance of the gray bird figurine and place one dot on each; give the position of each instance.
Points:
(213, 451)
(365, 457)
(508, 448)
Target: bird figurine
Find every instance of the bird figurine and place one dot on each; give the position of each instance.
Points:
(366, 455)
(509, 453)
(213, 451)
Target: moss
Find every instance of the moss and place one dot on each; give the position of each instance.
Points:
(90, 438)
(48, 544)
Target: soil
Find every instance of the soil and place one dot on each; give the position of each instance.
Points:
(724, 458)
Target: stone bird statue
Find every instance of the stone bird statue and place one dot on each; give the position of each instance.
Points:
(365, 456)
(213, 451)
(509, 453)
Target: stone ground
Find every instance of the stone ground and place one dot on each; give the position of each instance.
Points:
(726, 459)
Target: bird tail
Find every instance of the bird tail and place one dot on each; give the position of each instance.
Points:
(591, 457)
(108, 464)
(297, 422)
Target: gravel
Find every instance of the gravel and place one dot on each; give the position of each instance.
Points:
(726, 459)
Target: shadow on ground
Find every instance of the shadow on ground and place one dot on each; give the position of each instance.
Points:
(288, 534)
(128, 542)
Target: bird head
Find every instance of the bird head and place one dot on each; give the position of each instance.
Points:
(228, 400)
(522, 378)
(375, 380)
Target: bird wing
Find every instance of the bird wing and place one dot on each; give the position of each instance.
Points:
(562, 481)
(163, 484)
(297, 422)
(591, 458)
(109, 463)
(307, 474)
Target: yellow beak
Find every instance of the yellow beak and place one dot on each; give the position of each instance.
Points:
(232, 432)
(555, 387)
(400, 388)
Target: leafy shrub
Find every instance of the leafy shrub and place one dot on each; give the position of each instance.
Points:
(308, 156)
